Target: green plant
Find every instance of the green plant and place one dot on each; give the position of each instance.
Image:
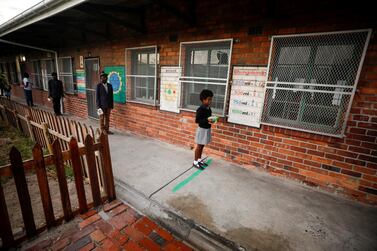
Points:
(4, 83)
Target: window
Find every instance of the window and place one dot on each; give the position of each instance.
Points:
(141, 73)
(65, 73)
(48, 67)
(35, 73)
(312, 79)
(13, 73)
(205, 65)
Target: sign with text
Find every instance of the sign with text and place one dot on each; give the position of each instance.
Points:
(170, 88)
(247, 95)
(81, 86)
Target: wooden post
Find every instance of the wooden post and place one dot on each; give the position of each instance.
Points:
(77, 171)
(22, 191)
(64, 194)
(5, 229)
(44, 189)
(107, 166)
(31, 132)
(92, 171)
(46, 137)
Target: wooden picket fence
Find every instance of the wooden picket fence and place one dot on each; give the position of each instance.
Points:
(68, 146)
(44, 127)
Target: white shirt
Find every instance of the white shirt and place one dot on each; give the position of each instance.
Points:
(26, 81)
(105, 85)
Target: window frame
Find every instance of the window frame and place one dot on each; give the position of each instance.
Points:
(353, 87)
(47, 75)
(129, 75)
(67, 74)
(190, 79)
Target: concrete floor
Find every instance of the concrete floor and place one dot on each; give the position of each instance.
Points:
(250, 207)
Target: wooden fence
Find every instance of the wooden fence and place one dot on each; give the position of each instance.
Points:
(65, 148)
(44, 127)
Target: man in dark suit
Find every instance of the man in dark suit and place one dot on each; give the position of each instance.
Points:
(55, 92)
(105, 102)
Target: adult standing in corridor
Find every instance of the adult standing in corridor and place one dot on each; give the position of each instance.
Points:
(105, 102)
(55, 92)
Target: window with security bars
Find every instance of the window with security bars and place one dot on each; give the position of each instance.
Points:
(35, 73)
(312, 79)
(142, 74)
(48, 67)
(65, 73)
(205, 65)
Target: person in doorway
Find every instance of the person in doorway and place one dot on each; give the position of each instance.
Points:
(55, 92)
(105, 102)
(203, 132)
(27, 85)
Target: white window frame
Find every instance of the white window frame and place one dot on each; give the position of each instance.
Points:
(34, 74)
(128, 75)
(353, 87)
(189, 79)
(45, 85)
(67, 74)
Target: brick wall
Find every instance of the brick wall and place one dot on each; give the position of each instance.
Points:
(347, 166)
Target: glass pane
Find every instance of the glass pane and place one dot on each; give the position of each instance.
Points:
(65, 65)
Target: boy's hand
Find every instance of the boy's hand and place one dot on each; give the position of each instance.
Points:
(210, 120)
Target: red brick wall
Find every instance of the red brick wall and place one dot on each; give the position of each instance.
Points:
(347, 166)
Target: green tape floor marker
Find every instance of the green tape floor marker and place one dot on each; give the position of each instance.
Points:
(190, 178)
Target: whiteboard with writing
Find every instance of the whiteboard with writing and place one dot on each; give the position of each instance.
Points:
(170, 88)
(247, 95)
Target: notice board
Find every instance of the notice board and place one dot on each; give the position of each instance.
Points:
(170, 88)
(116, 77)
(81, 85)
(247, 95)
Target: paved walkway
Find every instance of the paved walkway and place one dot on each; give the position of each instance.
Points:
(115, 227)
(252, 208)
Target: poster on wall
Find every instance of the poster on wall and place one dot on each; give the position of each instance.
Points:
(247, 95)
(170, 88)
(117, 79)
(81, 86)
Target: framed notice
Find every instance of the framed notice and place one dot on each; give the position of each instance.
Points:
(170, 88)
(81, 86)
(116, 77)
(247, 95)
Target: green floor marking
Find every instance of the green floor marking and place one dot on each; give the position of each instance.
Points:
(190, 178)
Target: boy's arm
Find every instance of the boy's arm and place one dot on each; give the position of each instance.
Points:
(98, 102)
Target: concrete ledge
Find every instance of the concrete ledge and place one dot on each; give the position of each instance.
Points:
(194, 234)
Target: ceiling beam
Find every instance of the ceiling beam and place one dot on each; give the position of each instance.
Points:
(78, 27)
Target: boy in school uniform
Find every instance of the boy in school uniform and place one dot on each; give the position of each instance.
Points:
(203, 132)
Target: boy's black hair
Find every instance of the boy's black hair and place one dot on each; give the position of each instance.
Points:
(54, 74)
(26, 75)
(205, 94)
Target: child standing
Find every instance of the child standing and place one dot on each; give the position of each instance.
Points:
(203, 132)
(27, 89)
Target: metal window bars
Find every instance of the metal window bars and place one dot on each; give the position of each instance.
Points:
(205, 65)
(312, 79)
(141, 73)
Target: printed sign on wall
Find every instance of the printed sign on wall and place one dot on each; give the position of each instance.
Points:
(117, 79)
(81, 88)
(170, 88)
(247, 95)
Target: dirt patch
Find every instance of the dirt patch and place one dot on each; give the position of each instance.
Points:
(192, 207)
(13, 205)
(253, 239)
